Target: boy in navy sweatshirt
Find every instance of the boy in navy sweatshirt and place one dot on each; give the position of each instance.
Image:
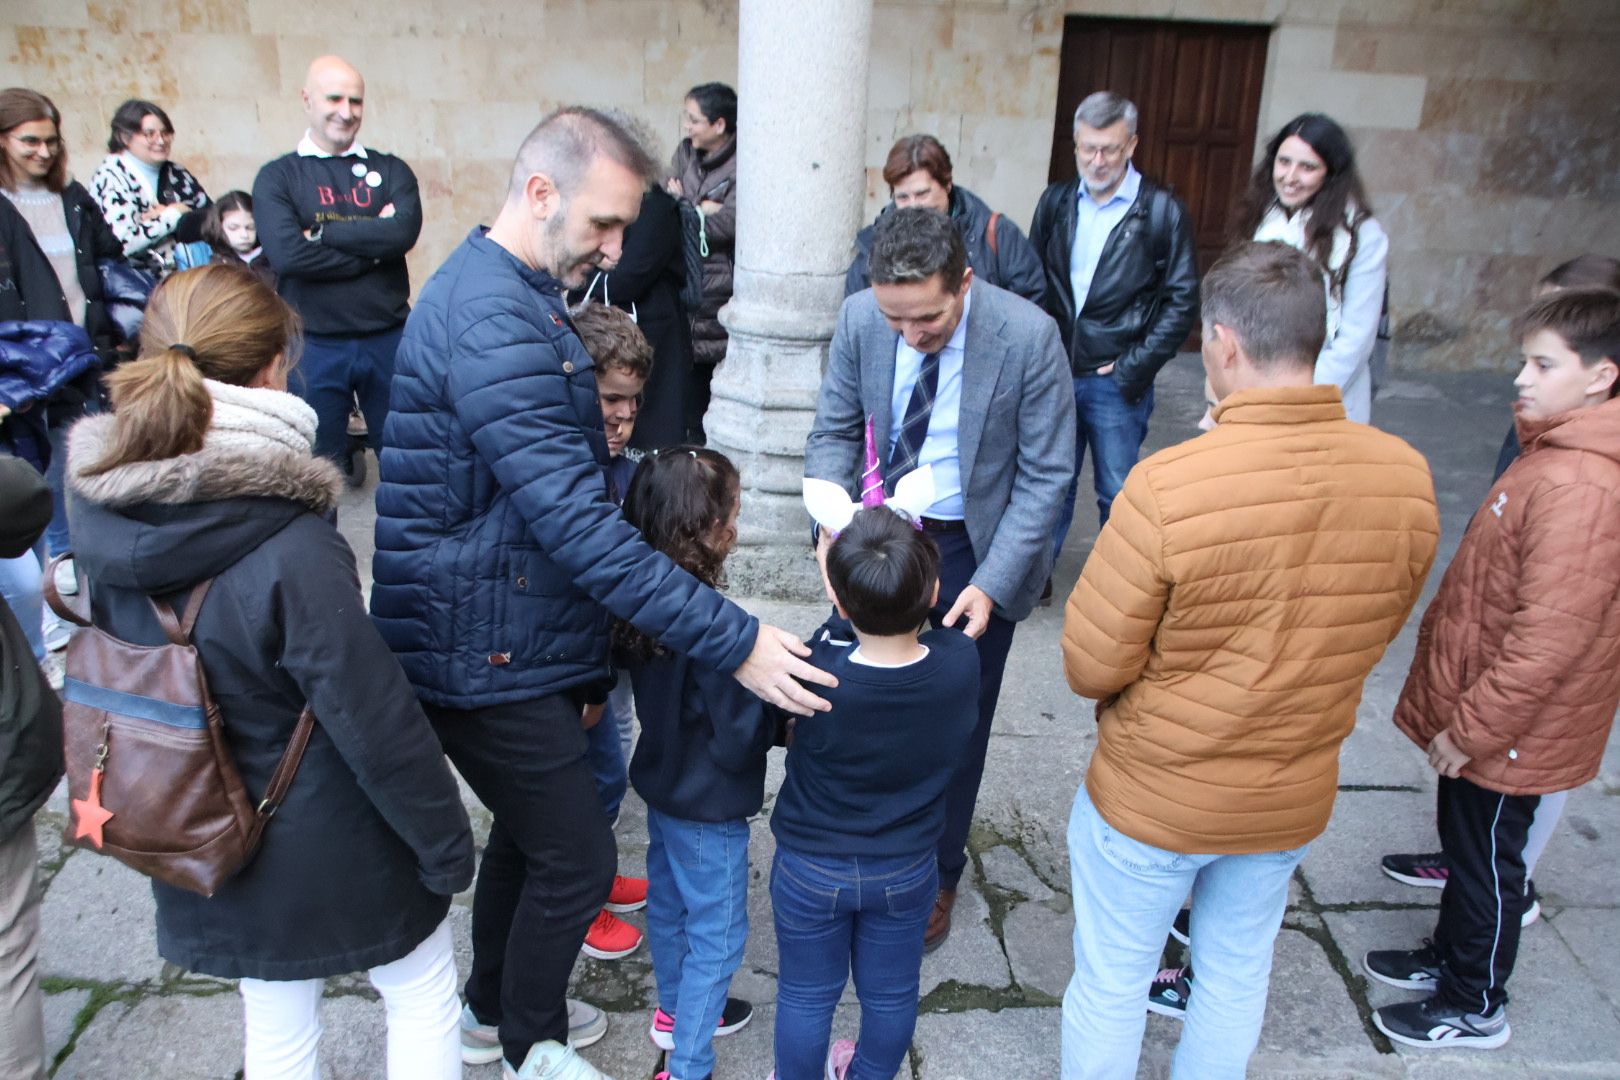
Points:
(863, 804)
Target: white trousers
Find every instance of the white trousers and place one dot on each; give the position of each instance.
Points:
(283, 1026)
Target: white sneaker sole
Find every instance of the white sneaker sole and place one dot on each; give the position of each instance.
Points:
(1415, 882)
(620, 909)
(1421, 985)
(1531, 914)
(1166, 1010)
(603, 954)
(1459, 1042)
(665, 1040)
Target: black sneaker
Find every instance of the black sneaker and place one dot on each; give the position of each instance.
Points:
(1426, 871)
(1429, 1023)
(1532, 910)
(1409, 969)
(1171, 990)
(1181, 929)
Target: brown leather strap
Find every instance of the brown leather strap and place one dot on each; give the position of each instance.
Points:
(178, 628)
(55, 599)
(990, 232)
(286, 769)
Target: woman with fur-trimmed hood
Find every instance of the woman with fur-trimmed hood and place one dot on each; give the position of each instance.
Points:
(205, 471)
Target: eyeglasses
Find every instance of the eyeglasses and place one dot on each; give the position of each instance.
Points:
(1089, 151)
(34, 142)
(155, 136)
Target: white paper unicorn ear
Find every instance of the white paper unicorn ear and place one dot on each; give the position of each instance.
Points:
(913, 493)
(829, 504)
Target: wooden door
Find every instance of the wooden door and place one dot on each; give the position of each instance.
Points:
(1197, 92)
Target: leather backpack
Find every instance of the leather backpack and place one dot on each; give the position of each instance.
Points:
(151, 780)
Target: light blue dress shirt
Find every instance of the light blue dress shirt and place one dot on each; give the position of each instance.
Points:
(1093, 221)
(939, 447)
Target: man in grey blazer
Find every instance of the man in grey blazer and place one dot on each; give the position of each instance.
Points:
(972, 380)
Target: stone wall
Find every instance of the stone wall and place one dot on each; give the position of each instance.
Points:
(1489, 130)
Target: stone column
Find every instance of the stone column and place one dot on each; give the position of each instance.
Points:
(801, 132)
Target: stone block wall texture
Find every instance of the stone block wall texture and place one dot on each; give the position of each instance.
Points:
(1489, 130)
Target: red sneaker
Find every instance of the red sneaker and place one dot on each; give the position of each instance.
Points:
(629, 894)
(610, 938)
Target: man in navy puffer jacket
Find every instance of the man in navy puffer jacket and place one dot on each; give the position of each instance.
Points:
(498, 550)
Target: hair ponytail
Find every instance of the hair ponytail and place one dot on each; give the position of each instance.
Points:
(162, 407)
(216, 322)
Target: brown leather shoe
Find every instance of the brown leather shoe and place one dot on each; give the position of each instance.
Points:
(939, 920)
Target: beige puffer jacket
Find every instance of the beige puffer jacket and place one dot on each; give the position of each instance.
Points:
(1519, 654)
(1246, 583)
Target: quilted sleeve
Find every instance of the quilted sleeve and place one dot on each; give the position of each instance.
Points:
(512, 395)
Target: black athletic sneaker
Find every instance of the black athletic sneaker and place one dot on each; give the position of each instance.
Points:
(1430, 1023)
(1181, 929)
(1427, 871)
(1170, 992)
(1409, 969)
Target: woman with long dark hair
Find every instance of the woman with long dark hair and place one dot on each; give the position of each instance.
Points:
(204, 472)
(149, 200)
(52, 237)
(1307, 193)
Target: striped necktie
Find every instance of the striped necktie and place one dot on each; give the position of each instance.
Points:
(914, 428)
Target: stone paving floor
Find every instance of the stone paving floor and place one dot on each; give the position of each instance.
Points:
(991, 994)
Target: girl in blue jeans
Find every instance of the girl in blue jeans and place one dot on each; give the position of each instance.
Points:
(863, 805)
(699, 766)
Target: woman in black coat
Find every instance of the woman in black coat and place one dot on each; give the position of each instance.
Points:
(52, 236)
(647, 283)
(188, 481)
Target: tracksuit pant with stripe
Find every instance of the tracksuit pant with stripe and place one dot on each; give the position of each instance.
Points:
(1483, 834)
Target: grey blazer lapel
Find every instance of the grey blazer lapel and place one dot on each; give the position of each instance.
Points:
(878, 344)
(983, 354)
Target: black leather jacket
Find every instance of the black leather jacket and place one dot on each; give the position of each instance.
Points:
(1144, 296)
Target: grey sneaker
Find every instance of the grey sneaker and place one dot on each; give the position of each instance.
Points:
(551, 1061)
(481, 1043)
(1430, 1023)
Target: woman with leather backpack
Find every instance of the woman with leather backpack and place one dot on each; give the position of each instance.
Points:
(204, 473)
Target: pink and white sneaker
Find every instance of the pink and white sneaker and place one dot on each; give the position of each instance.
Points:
(839, 1055)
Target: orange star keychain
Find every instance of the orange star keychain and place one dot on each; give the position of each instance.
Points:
(90, 813)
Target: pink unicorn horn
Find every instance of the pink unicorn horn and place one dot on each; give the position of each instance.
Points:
(871, 479)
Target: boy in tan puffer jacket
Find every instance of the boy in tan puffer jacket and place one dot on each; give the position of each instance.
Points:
(1514, 686)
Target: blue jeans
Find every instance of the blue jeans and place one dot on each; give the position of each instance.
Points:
(332, 372)
(1115, 430)
(20, 587)
(605, 747)
(697, 925)
(835, 914)
(1126, 895)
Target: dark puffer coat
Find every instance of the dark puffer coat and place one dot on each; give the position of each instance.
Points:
(1010, 263)
(359, 863)
(499, 553)
(711, 175)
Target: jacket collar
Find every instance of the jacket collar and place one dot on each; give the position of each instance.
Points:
(536, 279)
(710, 160)
(213, 473)
(1281, 405)
(1596, 429)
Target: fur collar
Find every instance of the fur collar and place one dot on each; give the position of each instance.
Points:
(213, 473)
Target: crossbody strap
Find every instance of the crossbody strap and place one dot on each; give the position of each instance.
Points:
(55, 599)
(286, 769)
(178, 628)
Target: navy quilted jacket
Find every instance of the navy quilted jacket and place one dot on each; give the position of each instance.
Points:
(498, 548)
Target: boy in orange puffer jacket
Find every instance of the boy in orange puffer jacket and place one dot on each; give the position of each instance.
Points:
(1517, 674)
